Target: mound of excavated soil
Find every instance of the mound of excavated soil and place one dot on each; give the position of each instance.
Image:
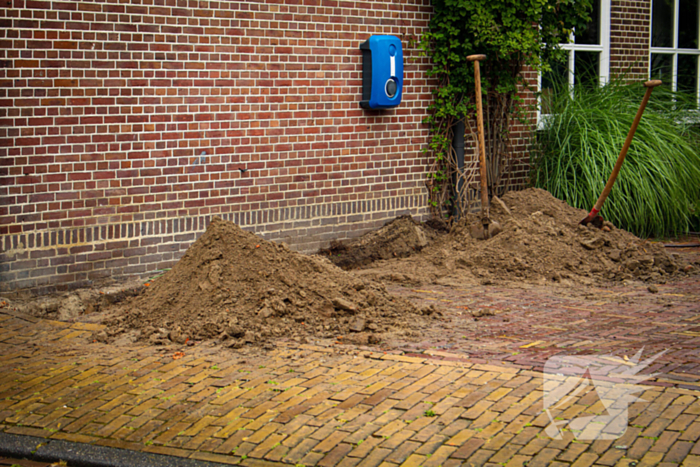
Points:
(236, 287)
(399, 238)
(541, 241)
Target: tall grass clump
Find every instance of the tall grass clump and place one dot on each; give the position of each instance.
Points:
(657, 192)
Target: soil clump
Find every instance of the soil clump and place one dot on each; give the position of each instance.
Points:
(400, 238)
(541, 242)
(241, 289)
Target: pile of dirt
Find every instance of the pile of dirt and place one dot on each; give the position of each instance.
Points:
(541, 241)
(234, 286)
(399, 238)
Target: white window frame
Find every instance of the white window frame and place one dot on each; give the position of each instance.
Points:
(572, 47)
(603, 47)
(675, 51)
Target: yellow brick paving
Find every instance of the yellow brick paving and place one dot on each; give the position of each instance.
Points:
(310, 405)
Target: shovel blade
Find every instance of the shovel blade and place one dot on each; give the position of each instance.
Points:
(594, 219)
(481, 232)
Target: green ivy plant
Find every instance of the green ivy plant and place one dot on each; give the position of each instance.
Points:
(514, 35)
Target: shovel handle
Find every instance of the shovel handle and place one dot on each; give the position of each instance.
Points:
(478, 57)
(481, 140)
(649, 85)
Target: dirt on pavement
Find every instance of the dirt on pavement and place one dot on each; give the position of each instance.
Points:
(541, 242)
(236, 288)
(399, 238)
(74, 305)
(233, 286)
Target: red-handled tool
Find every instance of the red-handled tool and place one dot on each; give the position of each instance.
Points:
(593, 217)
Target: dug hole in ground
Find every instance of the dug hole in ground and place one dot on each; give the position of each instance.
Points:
(236, 290)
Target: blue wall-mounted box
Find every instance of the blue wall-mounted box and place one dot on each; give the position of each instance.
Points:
(382, 72)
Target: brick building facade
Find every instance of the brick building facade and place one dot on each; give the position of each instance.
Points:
(127, 125)
(630, 26)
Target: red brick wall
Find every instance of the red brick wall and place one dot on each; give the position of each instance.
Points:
(521, 133)
(124, 126)
(630, 31)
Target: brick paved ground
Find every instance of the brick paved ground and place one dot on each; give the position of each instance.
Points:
(531, 324)
(448, 400)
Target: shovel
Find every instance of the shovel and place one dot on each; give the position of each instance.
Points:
(593, 217)
(488, 228)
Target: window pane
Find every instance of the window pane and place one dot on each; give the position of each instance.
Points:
(688, 73)
(554, 82)
(586, 68)
(662, 23)
(591, 35)
(688, 24)
(662, 67)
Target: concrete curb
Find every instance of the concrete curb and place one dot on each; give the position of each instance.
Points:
(87, 455)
